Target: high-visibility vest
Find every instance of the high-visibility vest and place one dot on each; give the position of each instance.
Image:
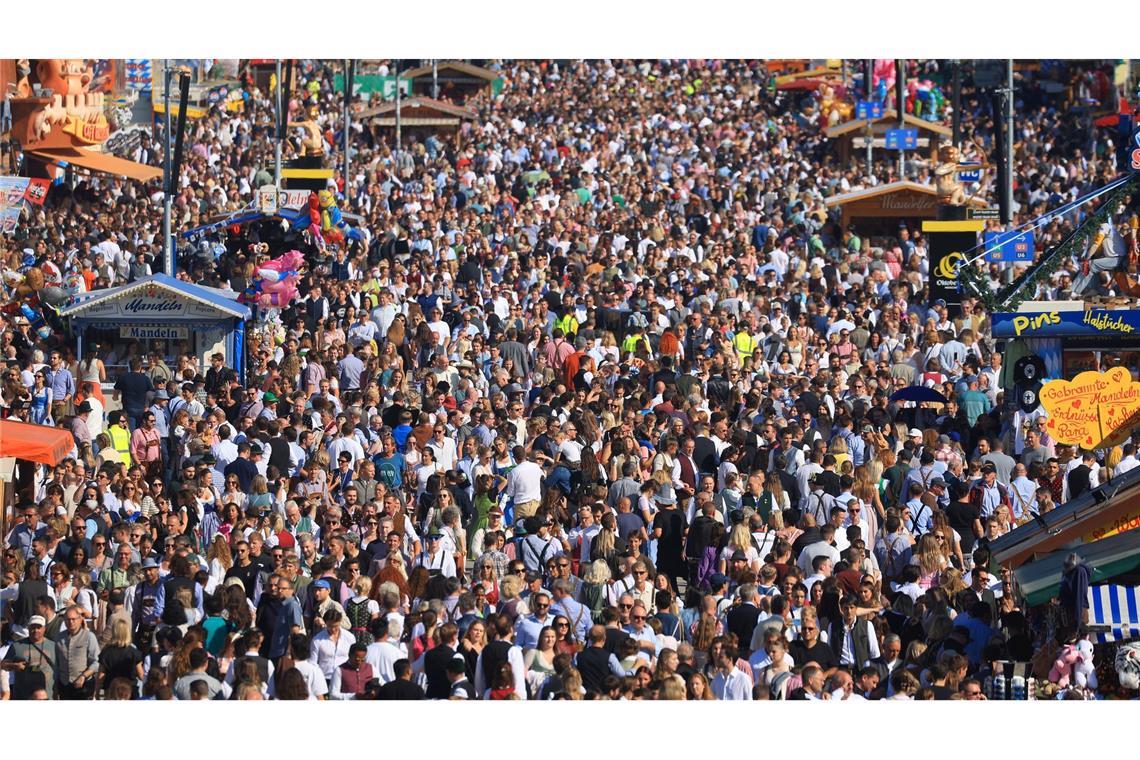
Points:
(745, 345)
(121, 442)
(568, 324)
(629, 345)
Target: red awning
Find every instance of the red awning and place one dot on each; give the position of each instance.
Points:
(34, 443)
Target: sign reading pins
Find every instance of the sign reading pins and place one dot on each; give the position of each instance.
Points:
(1029, 370)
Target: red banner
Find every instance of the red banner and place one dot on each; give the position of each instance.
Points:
(37, 191)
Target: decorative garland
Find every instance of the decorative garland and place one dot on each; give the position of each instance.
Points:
(1025, 286)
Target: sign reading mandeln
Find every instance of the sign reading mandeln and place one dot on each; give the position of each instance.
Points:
(153, 332)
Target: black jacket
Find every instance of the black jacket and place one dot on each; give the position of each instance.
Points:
(435, 668)
(400, 689)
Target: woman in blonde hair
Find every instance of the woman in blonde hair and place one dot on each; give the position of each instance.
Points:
(838, 449)
(930, 560)
(219, 560)
(740, 539)
(120, 658)
(866, 487)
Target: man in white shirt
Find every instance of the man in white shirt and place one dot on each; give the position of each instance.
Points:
(730, 683)
(446, 453)
(822, 547)
(524, 485)
(435, 558)
(821, 567)
(383, 652)
(1128, 461)
(314, 678)
(329, 648)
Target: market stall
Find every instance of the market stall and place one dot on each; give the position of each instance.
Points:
(1069, 337)
(878, 212)
(165, 314)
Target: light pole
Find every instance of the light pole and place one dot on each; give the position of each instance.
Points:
(277, 132)
(167, 242)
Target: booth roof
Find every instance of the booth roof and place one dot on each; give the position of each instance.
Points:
(1039, 580)
(34, 443)
(209, 296)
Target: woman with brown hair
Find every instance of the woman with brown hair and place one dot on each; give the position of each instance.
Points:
(698, 687)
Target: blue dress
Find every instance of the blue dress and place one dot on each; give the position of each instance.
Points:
(40, 407)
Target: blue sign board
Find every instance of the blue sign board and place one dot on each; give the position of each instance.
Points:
(1090, 323)
(1134, 155)
(1009, 246)
(868, 109)
(970, 175)
(902, 139)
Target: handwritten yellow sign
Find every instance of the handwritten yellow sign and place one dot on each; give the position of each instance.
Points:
(1124, 523)
(1093, 410)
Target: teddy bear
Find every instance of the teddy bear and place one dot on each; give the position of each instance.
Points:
(1084, 669)
(1063, 665)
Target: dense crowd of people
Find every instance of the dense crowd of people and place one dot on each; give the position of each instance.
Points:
(599, 408)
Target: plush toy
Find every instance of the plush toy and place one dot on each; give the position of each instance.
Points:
(275, 283)
(1063, 665)
(1084, 669)
(1128, 665)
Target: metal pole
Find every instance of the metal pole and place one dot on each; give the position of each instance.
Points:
(956, 102)
(900, 106)
(167, 242)
(868, 77)
(1008, 190)
(435, 78)
(347, 99)
(396, 155)
(277, 132)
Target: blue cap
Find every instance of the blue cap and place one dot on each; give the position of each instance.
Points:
(718, 579)
(322, 584)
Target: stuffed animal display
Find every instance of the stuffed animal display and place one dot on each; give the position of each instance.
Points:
(1084, 669)
(1063, 665)
(1128, 665)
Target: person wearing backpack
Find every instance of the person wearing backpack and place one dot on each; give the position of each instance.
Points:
(894, 551)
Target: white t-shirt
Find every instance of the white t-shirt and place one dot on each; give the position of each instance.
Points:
(314, 679)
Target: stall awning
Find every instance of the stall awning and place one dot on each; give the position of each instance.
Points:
(1109, 507)
(1040, 580)
(1115, 609)
(98, 162)
(34, 443)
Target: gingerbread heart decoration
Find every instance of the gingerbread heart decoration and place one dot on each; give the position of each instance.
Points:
(1093, 410)
(1073, 406)
(1119, 409)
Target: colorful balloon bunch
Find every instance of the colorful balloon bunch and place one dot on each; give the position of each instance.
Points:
(334, 228)
(275, 283)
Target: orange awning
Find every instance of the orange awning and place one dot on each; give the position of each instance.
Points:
(98, 162)
(34, 443)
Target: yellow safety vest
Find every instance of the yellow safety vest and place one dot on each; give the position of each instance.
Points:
(121, 442)
(745, 345)
(629, 345)
(568, 324)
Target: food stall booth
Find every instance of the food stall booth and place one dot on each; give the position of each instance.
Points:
(161, 313)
